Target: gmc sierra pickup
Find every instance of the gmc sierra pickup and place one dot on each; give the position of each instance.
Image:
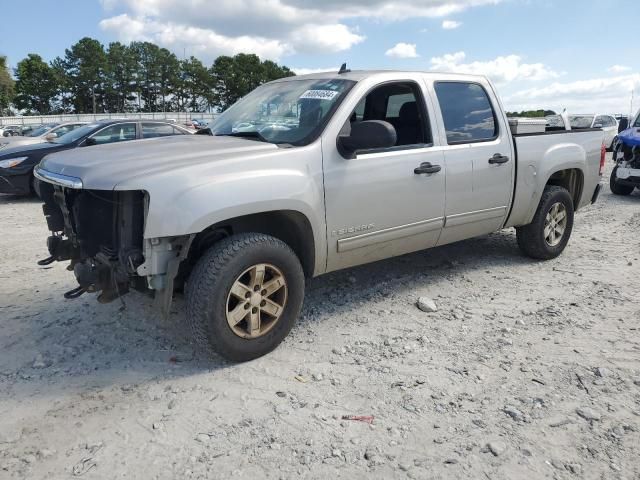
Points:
(303, 176)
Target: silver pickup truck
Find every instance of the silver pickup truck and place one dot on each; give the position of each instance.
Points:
(304, 176)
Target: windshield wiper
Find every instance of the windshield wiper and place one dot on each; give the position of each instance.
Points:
(253, 135)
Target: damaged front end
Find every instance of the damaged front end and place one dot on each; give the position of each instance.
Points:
(101, 233)
(626, 154)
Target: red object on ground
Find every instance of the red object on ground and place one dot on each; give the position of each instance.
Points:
(359, 418)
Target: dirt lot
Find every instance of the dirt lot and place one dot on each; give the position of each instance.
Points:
(527, 369)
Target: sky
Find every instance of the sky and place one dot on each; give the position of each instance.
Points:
(551, 54)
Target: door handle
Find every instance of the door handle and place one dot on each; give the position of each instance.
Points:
(426, 167)
(497, 159)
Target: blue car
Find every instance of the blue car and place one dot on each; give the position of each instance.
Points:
(625, 176)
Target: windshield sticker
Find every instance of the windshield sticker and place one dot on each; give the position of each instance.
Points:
(319, 94)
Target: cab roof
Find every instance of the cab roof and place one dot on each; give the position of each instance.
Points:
(357, 75)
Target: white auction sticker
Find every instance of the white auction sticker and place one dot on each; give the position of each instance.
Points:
(319, 94)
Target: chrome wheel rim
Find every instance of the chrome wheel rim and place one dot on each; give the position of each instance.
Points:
(256, 300)
(555, 224)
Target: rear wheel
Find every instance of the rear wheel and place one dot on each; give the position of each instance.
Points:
(616, 188)
(244, 296)
(548, 234)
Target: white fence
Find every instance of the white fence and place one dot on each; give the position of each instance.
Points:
(179, 117)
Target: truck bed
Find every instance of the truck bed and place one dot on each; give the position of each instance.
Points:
(553, 151)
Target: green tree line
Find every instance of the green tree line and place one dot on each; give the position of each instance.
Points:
(139, 77)
(531, 113)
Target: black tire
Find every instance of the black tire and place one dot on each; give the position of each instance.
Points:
(211, 280)
(531, 238)
(33, 189)
(618, 189)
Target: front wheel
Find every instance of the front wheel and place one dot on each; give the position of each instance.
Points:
(616, 188)
(548, 234)
(245, 295)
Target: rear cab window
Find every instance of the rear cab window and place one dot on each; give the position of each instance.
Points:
(467, 112)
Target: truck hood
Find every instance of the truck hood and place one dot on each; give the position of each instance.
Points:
(103, 167)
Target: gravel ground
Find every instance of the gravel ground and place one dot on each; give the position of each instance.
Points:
(526, 369)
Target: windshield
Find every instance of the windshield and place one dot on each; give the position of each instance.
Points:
(41, 130)
(291, 112)
(580, 121)
(76, 134)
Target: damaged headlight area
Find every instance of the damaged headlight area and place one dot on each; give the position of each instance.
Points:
(101, 233)
(628, 155)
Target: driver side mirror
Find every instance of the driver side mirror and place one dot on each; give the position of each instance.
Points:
(51, 136)
(90, 142)
(367, 135)
(597, 125)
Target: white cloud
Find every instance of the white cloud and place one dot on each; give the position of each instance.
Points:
(197, 41)
(619, 69)
(450, 24)
(608, 95)
(402, 50)
(127, 28)
(272, 28)
(324, 38)
(501, 69)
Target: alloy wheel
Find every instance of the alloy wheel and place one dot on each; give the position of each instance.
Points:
(555, 224)
(256, 301)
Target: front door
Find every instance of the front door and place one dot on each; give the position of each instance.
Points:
(377, 204)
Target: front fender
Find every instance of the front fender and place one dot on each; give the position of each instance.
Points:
(193, 196)
(233, 195)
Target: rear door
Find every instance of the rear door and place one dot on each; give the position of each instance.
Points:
(478, 154)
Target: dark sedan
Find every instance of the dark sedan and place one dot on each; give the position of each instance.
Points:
(16, 164)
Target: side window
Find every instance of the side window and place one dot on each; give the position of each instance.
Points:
(467, 112)
(600, 119)
(401, 105)
(153, 130)
(611, 122)
(116, 133)
(65, 129)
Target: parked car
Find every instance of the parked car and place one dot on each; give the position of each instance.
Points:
(377, 164)
(623, 122)
(43, 133)
(199, 124)
(606, 122)
(11, 130)
(625, 176)
(17, 163)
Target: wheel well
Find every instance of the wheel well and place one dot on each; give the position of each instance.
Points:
(571, 179)
(292, 227)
